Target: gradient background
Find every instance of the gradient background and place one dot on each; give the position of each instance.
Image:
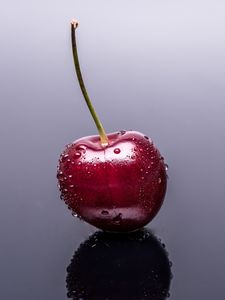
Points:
(153, 66)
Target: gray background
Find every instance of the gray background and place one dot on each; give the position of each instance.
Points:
(153, 66)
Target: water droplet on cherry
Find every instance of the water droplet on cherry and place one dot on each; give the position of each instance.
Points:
(122, 132)
(81, 147)
(117, 219)
(77, 155)
(116, 150)
(104, 212)
(60, 176)
(64, 157)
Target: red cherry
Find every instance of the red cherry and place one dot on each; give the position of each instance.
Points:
(117, 188)
(116, 182)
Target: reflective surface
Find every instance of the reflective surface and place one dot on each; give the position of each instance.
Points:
(158, 68)
(114, 266)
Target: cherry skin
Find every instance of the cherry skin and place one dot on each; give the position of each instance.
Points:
(119, 187)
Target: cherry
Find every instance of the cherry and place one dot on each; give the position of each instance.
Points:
(116, 182)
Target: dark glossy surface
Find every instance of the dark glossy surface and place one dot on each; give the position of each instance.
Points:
(118, 188)
(113, 266)
(157, 67)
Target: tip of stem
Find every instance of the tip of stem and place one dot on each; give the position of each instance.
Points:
(104, 144)
(74, 23)
(104, 140)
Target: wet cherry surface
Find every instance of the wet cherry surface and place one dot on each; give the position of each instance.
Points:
(117, 188)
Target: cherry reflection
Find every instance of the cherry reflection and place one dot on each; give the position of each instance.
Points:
(108, 266)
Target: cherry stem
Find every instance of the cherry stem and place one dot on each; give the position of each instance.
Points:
(103, 136)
